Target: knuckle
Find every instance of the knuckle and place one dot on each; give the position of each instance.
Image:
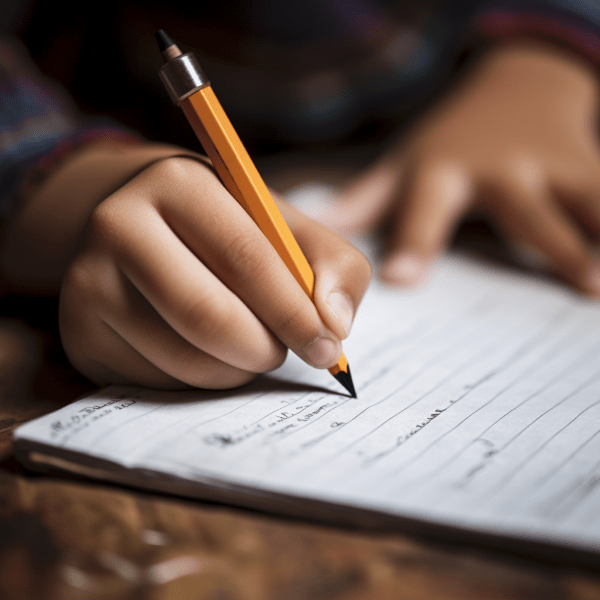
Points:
(176, 170)
(244, 253)
(298, 324)
(203, 316)
(448, 183)
(524, 173)
(171, 168)
(107, 223)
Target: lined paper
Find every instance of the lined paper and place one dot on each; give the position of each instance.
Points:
(478, 407)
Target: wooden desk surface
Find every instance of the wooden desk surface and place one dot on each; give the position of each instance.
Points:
(71, 539)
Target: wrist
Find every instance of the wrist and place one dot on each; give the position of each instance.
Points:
(537, 65)
(42, 234)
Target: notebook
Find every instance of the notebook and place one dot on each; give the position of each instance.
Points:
(477, 418)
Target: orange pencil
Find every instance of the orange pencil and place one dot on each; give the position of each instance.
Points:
(189, 88)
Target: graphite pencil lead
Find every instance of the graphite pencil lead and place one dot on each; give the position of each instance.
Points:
(167, 46)
(164, 41)
(345, 378)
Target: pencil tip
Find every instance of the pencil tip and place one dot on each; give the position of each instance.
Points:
(164, 41)
(345, 378)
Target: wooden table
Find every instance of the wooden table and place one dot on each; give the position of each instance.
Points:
(72, 539)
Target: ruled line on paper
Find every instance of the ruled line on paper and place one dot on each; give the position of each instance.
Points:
(520, 378)
(515, 470)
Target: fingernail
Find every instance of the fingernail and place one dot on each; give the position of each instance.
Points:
(322, 352)
(405, 269)
(592, 280)
(343, 308)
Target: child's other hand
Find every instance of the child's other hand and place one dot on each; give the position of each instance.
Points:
(175, 285)
(516, 139)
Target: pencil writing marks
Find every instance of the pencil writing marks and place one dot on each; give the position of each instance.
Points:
(567, 500)
(232, 438)
(484, 452)
(403, 438)
(307, 417)
(275, 426)
(63, 429)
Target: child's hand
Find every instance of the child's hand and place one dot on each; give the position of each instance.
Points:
(516, 139)
(175, 285)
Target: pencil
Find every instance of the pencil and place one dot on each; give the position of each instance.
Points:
(189, 88)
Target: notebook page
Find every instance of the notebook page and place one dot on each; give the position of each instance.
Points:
(478, 406)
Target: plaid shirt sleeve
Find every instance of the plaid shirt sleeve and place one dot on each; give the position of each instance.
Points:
(575, 24)
(39, 126)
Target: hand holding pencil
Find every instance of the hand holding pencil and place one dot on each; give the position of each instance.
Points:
(174, 285)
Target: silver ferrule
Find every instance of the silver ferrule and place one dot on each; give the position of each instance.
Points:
(182, 77)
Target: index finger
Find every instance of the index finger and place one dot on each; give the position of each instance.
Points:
(226, 239)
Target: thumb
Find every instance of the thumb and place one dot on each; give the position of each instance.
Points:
(342, 272)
